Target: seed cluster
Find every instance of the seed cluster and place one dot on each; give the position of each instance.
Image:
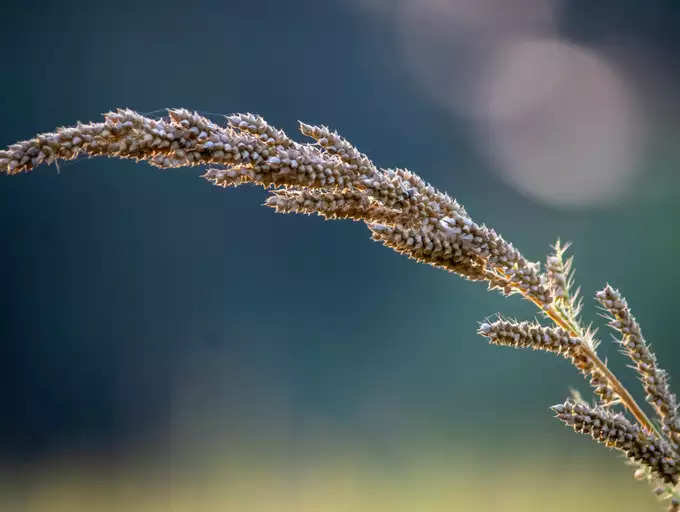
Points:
(343, 204)
(654, 379)
(257, 126)
(337, 145)
(482, 243)
(551, 339)
(560, 278)
(428, 244)
(456, 240)
(529, 335)
(615, 431)
(557, 277)
(331, 178)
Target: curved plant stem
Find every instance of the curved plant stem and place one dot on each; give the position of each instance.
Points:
(334, 179)
(626, 398)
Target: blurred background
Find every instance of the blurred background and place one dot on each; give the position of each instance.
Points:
(168, 345)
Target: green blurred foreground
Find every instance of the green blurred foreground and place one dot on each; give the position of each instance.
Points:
(269, 481)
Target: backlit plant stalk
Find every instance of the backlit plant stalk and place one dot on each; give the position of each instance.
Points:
(333, 179)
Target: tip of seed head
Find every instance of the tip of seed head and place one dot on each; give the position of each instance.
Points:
(558, 408)
(484, 328)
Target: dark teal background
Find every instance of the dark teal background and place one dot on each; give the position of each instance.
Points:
(122, 287)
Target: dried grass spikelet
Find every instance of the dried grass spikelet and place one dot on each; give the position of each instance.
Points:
(551, 339)
(332, 178)
(427, 244)
(615, 431)
(457, 240)
(343, 204)
(257, 126)
(558, 271)
(337, 145)
(654, 379)
(560, 276)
